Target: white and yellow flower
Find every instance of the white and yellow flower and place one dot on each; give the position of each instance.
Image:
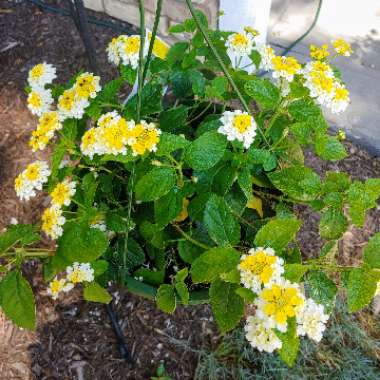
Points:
(57, 286)
(70, 105)
(260, 336)
(89, 146)
(87, 86)
(48, 123)
(319, 53)
(31, 179)
(39, 101)
(279, 302)
(311, 320)
(144, 137)
(52, 222)
(80, 272)
(342, 47)
(267, 54)
(285, 67)
(261, 267)
(341, 98)
(238, 125)
(239, 47)
(129, 48)
(41, 75)
(113, 51)
(62, 193)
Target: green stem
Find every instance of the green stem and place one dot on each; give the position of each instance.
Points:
(39, 253)
(201, 113)
(189, 238)
(222, 65)
(141, 58)
(152, 39)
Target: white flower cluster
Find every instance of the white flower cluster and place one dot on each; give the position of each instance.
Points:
(75, 274)
(277, 301)
(238, 125)
(40, 99)
(31, 179)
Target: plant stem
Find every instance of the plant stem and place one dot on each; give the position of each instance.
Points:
(141, 58)
(222, 65)
(189, 238)
(152, 39)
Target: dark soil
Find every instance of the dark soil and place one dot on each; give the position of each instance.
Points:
(74, 339)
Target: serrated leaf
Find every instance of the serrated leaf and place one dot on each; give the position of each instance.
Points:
(165, 298)
(299, 182)
(155, 184)
(332, 224)
(206, 151)
(336, 182)
(361, 287)
(173, 119)
(210, 264)
(188, 251)
(227, 306)
(277, 233)
(231, 276)
(170, 143)
(290, 344)
(322, 289)
(220, 223)
(18, 301)
(81, 243)
(89, 186)
(329, 148)
(304, 110)
(168, 207)
(247, 294)
(21, 234)
(93, 292)
(371, 253)
(99, 267)
(183, 292)
(264, 92)
(263, 157)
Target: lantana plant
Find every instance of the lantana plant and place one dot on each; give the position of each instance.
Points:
(184, 190)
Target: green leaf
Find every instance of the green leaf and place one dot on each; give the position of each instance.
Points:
(59, 152)
(153, 234)
(220, 223)
(181, 275)
(227, 306)
(89, 186)
(277, 233)
(176, 52)
(18, 300)
(329, 148)
(295, 272)
(219, 86)
(206, 151)
(264, 92)
(170, 143)
(93, 292)
(245, 182)
(155, 184)
(18, 234)
(362, 197)
(208, 266)
(128, 74)
(322, 289)
(336, 182)
(178, 28)
(198, 82)
(263, 157)
(371, 253)
(304, 110)
(151, 102)
(290, 344)
(299, 182)
(224, 179)
(247, 294)
(302, 131)
(168, 207)
(361, 287)
(165, 298)
(183, 292)
(135, 256)
(81, 243)
(332, 224)
(100, 267)
(173, 119)
(188, 251)
(231, 276)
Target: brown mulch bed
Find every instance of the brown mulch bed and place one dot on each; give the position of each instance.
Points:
(74, 340)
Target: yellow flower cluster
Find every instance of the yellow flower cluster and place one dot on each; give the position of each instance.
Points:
(340, 46)
(114, 135)
(48, 123)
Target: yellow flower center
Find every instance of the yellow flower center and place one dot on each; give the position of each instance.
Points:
(35, 100)
(242, 122)
(341, 94)
(89, 138)
(281, 303)
(66, 101)
(19, 182)
(323, 82)
(49, 220)
(239, 39)
(60, 194)
(132, 45)
(56, 286)
(37, 71)
(32, 172)
(260, 265)
(113, 136)
(76, 276)
(85, 85)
